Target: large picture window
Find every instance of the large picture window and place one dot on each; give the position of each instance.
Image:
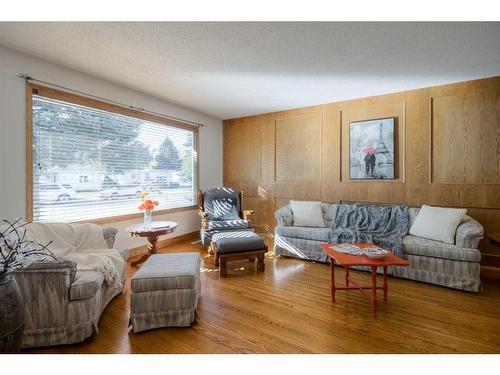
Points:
(91, 160)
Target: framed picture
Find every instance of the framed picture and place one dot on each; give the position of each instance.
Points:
(371, 149)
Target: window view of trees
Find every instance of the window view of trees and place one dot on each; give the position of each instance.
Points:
(188, 161)
(83, 157)
(167, 156)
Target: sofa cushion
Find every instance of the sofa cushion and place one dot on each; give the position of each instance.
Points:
(238, 242)
(206, 235)
(329, 211)
(307, 233)
(469, 231)
(85, 285)
(227, 224)
(437, 223)
(167, 271)
(284, 216)
(412, 215)
(435, 249)
(109, 235)
(307, 214)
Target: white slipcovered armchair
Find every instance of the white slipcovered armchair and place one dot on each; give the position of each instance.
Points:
(63, 303)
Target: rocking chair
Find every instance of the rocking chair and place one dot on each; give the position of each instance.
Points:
(221, 210)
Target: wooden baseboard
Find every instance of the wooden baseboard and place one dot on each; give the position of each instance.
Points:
(490, 272)
(140, 250)
(490, 260)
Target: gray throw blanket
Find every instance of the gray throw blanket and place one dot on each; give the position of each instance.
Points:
(385, 226)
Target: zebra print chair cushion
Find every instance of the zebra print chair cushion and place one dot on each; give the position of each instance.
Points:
(225, 209)
(219, 194)
(227, 224)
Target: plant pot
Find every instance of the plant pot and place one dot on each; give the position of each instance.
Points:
(11, 316)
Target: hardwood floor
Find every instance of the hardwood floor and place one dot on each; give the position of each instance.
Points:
(287, 309)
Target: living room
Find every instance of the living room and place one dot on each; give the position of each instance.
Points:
(331, 188)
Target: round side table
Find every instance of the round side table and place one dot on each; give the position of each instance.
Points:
(159, 228)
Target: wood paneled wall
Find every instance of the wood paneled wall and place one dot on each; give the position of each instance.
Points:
(447, 141)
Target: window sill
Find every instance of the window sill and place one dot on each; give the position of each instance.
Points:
(115, 219)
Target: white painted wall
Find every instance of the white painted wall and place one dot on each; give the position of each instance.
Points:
(13, 134)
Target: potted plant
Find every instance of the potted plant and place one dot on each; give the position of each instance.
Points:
(16, 251)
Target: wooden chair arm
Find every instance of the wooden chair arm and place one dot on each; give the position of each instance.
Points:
(204, 219)
(247, 214)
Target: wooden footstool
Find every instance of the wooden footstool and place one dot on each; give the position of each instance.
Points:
(237, 245)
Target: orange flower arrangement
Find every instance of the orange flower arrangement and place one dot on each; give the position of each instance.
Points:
(147, 204)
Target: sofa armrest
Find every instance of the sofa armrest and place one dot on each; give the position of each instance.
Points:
(45, 289)
(284, 216)
(61, 265)
(109, 235)
(469, 233)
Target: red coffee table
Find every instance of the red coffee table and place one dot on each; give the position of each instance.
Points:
(349, 260)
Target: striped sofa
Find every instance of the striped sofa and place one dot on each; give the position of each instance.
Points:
(452, 265)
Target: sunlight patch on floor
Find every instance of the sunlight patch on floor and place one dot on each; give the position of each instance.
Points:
(209, 270)
(289, 247)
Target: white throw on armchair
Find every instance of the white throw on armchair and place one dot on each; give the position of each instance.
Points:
(64, 299)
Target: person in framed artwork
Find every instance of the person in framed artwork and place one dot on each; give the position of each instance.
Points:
(370, 163)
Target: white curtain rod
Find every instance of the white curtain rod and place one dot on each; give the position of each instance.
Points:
(27, 77)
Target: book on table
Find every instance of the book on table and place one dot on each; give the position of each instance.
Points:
(354, 249)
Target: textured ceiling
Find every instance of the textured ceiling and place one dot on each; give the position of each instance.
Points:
(233, 69)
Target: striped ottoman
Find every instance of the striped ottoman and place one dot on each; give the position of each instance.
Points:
(165, 291)
(234, 245)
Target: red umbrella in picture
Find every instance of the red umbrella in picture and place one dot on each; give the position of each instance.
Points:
(370, 150)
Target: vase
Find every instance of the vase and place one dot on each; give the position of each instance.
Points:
(147, 219)
(11, 316)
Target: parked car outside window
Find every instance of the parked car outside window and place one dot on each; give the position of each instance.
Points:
(122, 191)
(55, 193)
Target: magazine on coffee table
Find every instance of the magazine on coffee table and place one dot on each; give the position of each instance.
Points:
(353, 249)
(348, 248)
